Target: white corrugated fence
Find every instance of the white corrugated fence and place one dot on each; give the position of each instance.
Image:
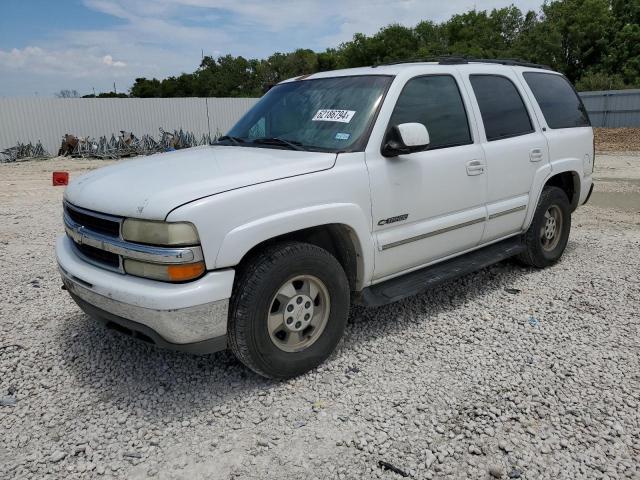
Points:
(48, 119)
(613, 108)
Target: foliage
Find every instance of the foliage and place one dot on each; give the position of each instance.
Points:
(107, 95)
(68, 94)
(595, 43)
(592, 81)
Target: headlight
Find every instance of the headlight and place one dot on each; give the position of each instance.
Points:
(166, 273)
(160, 233)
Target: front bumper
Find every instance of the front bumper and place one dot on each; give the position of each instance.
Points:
(190, 316)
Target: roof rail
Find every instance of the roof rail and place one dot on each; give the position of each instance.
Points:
(458, 60)
(510, 61)
(442, 59)
(399, 62)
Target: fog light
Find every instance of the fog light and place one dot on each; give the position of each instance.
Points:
(166, 273)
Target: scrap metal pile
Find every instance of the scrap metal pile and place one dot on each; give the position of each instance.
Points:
(127, 144)
(22, 151)
(124, 145)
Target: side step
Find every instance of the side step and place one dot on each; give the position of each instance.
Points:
(422, 280)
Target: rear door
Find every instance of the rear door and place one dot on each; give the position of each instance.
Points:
(514, 147)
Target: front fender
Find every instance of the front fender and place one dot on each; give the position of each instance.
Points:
(232, 223)
(243, 238)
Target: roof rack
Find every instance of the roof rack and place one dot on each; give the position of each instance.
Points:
(414, 60)
(509, 61)
(457, 60)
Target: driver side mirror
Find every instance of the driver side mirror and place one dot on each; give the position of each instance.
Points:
(405, 138)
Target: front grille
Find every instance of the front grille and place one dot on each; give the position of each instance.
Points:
(98, 223)
(94, 222)
(100, 256)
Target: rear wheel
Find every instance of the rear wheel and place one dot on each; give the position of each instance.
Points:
(288, 310)
(548, 234)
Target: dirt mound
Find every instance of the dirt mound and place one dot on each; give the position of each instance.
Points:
(617, 139)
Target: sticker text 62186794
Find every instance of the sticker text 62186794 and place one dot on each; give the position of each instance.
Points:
(343, 116)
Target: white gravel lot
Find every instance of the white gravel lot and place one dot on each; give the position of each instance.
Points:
(467, 381)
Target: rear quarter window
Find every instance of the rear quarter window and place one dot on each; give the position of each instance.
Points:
(559, 102)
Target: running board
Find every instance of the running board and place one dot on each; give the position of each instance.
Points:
(426, 278)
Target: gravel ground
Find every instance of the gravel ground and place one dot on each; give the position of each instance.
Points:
(468, 381)
(617, 139)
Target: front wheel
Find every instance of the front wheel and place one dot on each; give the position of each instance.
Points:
(548, 234)
(288, 310)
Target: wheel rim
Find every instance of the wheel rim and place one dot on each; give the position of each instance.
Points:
(298, 313)
(551, 229)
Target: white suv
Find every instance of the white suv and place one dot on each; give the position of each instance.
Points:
(364, 185)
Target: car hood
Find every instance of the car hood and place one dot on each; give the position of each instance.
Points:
(152, 186)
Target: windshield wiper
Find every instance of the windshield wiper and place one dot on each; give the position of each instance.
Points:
(292, 144)
(234, 140)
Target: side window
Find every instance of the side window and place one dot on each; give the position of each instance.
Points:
(560, 104)
(435, 102)
(503, 112)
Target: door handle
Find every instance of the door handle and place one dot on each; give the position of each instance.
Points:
(535, 155)
(475, 167)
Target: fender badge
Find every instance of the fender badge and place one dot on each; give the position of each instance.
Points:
(399, 218)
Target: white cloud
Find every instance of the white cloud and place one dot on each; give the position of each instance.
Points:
(108, 60)
(70, 62)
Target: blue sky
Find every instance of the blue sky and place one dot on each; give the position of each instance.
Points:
(48, 45)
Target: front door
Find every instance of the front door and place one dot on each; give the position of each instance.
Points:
(431, 204)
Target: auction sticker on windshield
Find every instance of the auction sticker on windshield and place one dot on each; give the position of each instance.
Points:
(343, 116)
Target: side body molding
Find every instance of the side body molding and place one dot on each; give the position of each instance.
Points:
(244, 237)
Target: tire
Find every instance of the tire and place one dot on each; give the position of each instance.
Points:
(553, 213)
(263, 293)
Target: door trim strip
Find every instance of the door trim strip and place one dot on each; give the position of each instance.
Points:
(432, 234)
(507, 212)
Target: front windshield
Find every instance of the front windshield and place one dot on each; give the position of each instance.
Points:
(327, 114)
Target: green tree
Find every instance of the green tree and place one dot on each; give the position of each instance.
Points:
(432, 39)
(145, 88)
(226, 76)
(395, 42)
(593, 80)
(358, 52)
(281, 66)
(328, 60)
(571, 36)
(623, 53)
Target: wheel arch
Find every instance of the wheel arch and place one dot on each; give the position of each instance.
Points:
(337, 239)
(564, 175)
(342, 230)
(569, 182)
